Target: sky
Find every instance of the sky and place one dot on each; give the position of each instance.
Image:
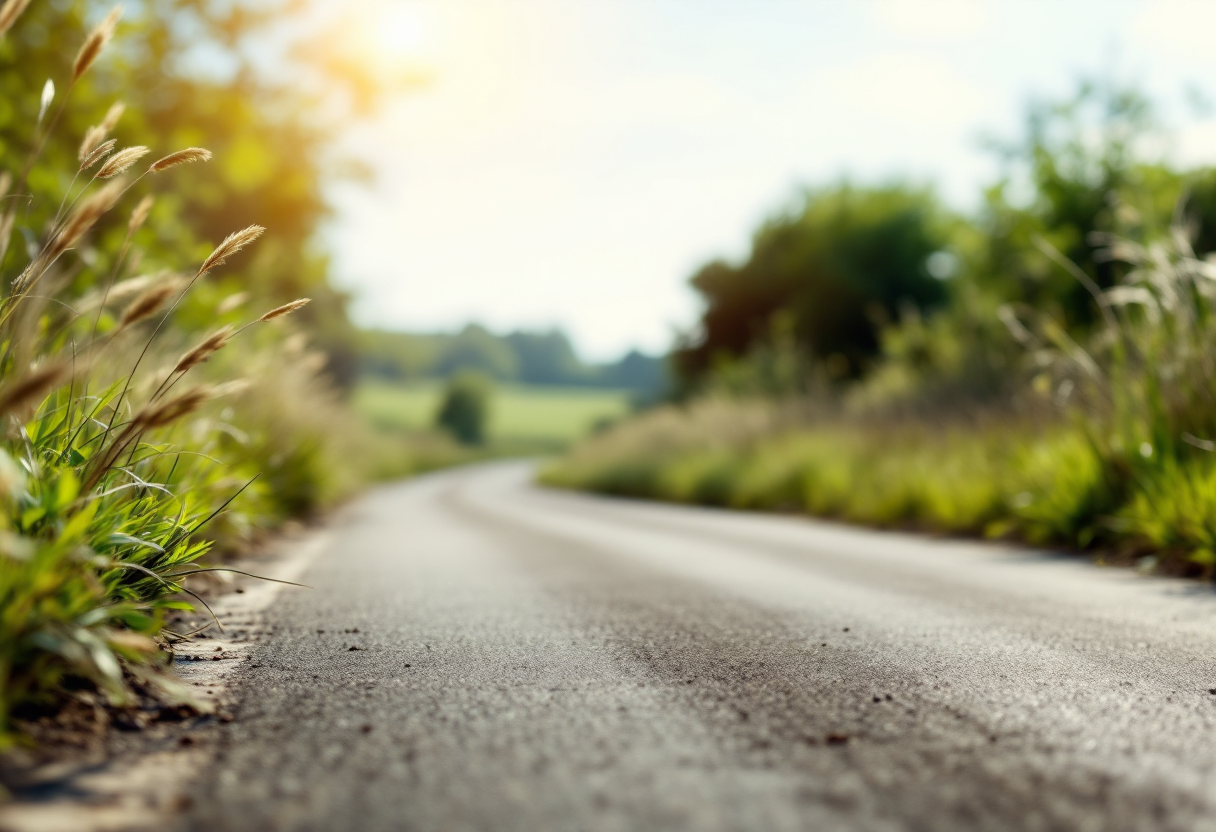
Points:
(571, 163)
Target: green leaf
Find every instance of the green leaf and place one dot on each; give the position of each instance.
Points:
(118, 538)
(76, 527)
(67, 489)
(32, 515)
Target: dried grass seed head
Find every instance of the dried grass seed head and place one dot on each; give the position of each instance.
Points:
(170, 410)
(204, 350)
(32, 386)
(231, 388)
(181, 157)
(131, 286)
(6, 182)
(233, 243)
(9, 13)
(113, 115)
(48, 96)
(140, 215)
(122, 160)
(231, 302)
(118, 292)
(95, 42)
(147, 304)
(97, 154)
(92, 138)
(81, 220)
(285, 309)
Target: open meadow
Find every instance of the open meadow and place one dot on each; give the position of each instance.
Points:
(521, 416)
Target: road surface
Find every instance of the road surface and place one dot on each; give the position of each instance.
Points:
(536, 660)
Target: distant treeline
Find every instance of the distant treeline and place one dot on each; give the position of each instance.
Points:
(523, 357)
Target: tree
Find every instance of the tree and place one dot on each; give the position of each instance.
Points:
(835, 269)
(465, 410)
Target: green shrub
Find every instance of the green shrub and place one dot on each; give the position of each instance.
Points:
(465, 409)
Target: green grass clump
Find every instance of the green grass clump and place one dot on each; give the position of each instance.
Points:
(953, 480)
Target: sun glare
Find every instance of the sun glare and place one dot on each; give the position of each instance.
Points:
(387, 47)
(402, 31)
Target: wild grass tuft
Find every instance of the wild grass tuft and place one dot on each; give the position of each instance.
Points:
(113, 483)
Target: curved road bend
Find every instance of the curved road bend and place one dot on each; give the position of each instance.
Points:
(537, 660)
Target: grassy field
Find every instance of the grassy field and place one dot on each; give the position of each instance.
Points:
(520, 415)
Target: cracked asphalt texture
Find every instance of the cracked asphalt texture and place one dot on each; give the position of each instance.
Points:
(536, 660)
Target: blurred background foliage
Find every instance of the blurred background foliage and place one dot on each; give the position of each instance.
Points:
(832, 271)
(1042, 367)
(538, 358)
(188, 73)
(862, 286)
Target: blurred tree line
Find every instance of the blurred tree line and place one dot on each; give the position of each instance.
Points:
(884, 283)
(544, 358)
(194, 72)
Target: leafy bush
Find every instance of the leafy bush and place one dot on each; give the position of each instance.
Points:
(465, 409)
(835, 267)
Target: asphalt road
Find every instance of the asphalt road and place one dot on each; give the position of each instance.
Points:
(536, 660)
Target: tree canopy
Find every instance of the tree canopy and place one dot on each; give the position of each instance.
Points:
(836, 267)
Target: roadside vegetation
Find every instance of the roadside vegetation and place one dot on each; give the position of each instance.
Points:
(1043, 370)
(173, 376)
